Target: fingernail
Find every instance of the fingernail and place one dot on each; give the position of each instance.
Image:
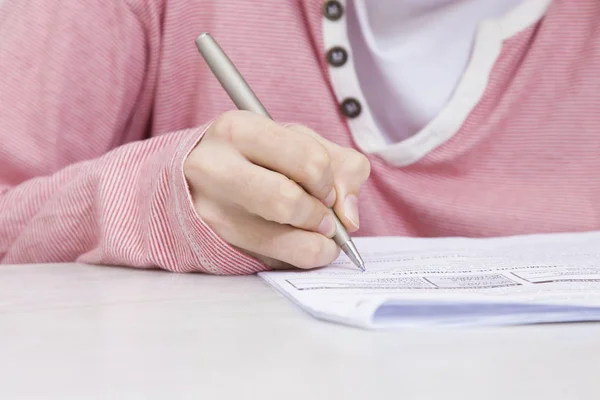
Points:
(327, 226)
(330, 199)
(351, 210)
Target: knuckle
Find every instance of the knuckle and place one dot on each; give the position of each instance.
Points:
(226, 125)
(358, 164)
(287, 203)
(293, 126)
(305, 130)
(296, 127)
(221, 126)
(317, 165)
(269, 134)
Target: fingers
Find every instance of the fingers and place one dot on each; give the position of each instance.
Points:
(278, 199)
(297, 156)
(278, 246)
(289, 245)
(351, 170)
(231, 179)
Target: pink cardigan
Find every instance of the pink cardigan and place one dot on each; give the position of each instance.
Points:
(100, 102)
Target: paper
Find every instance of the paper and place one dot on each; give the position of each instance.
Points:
(413, 282)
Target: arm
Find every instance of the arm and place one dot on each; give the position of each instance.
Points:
(76, 181)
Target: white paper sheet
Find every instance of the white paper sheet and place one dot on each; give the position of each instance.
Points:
(454, 281)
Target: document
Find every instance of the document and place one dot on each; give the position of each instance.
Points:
(420, 282)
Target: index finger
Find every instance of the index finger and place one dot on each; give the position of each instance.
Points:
(298, 156)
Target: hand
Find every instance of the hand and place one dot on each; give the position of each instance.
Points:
(267, 189)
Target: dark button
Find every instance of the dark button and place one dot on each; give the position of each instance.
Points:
(333, 10)
(337, 56)
(351, 108)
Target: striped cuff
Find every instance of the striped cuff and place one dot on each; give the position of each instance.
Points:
(207, 251)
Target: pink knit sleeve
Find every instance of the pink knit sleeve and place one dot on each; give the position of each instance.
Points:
(77, 182)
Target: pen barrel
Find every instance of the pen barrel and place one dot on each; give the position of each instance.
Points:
(228, 76)
(341, 236)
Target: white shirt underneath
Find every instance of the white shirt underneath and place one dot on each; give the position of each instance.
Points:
(409, 55)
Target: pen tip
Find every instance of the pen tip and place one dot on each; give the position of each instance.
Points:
(361, 265)
(353, 255)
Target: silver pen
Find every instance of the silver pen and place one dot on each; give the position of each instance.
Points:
(244, 98)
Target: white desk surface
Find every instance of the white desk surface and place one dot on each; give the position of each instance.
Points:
(84, 332)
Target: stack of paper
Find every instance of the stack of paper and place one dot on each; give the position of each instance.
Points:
(454, 281)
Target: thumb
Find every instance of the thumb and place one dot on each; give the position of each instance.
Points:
(350, 173)
(351, 169)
